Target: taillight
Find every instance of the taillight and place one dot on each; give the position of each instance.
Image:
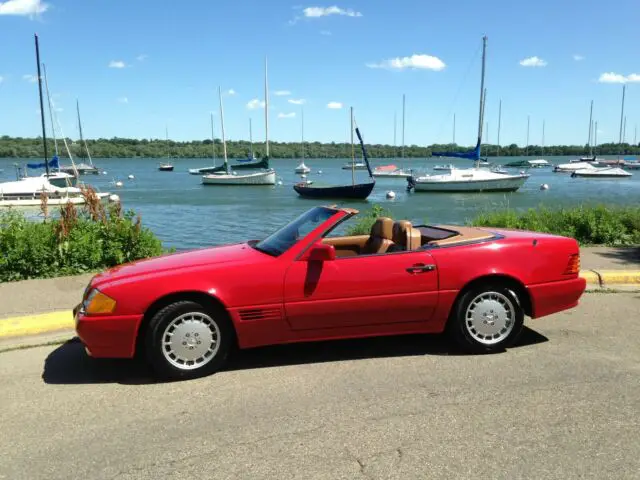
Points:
(573, 267)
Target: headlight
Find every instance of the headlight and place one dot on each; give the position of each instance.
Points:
(98, 302)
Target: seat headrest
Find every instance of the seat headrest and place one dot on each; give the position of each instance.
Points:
(382, 228)
(414, 241)
(400, 232)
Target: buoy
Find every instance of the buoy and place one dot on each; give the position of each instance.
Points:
(309, 182)
(113, 198)
(391, 194)
(279, 182)
(544, 186)
(320, 172)
(104, 172)
(118, 184)
(303, 176)
(522, 172)
(131, 177)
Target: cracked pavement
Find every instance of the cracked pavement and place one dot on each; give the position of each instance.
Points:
(564, 404)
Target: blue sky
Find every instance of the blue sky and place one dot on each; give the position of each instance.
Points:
(138, 66)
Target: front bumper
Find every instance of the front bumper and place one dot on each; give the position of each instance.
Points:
(107, 336)
(553, 297)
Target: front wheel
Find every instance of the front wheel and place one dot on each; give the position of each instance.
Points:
(185, 340)
(486, 319)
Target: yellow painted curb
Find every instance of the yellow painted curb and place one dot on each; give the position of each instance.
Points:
(34, 324)
(590, 276)
(626, 277)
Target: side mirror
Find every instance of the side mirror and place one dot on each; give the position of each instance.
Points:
(321, 253)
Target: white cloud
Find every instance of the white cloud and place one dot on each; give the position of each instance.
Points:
(142, 57)
(287, 115)
(282, 93)
(116, 64)
(578, 57)
(1, 78)
(231, 91)
(255, 103)
(315, 12)
(123, 100)
(334, 105)
(58, 109)
(298, 101)
(326, 33)
(612, 77)
(30, 78)
(23, 7)
(533, 62)
(415, 61)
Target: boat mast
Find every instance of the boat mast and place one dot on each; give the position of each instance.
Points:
(250, 140)
(543, 138)
(624, 130)
(595, 142)
(484, 98)
(266, 108)
(53, 128)
(353, 154)
(624, 87)
(590, 129)
(44, 131)
(395, 127)
(302, 134)
(213, 141)
(482, 91)
(82, 140)
(403, 126)
(499, 123)
(526, 151)
(224, 141)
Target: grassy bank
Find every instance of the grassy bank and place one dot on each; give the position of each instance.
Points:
(589, 225)
(79, 240)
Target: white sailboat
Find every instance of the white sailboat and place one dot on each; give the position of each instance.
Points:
(473, 179)
(604, 172)
(302, 168)
(264, 177)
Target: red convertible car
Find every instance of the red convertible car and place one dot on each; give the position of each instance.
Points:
(184, 312)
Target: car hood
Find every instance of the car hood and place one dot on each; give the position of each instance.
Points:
(177, 261)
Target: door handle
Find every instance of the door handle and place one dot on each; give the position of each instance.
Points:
(420, 268)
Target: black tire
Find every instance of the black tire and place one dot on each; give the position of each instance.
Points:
(194, 324)
(467, 330)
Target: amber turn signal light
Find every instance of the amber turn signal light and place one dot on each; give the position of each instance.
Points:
(573, 267)
(100, 303)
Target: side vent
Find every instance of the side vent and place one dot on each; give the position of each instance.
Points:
(253, 314)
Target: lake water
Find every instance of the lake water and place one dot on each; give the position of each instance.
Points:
(186, 214)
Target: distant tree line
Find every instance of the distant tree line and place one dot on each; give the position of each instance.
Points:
(18, 147)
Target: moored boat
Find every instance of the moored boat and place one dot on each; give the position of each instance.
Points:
(605, 172)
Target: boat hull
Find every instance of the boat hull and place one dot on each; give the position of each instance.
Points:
(510, 184)
(203, 170)
(358, 191)
(391, 174)
(27, 201)
(258, 178)
(601, 173)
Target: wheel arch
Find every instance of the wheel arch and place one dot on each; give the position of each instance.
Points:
(515, 285)
(202, 298)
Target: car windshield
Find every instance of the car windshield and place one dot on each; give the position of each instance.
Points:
(282, 240)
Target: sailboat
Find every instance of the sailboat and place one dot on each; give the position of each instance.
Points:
(392, 171)
(302, 168)
(473, 179)
(585, 162)
(214, 168)
(353, 191)
(29, 191)
(264, 177)
(82, 168)
(166, 166)
(251, 157)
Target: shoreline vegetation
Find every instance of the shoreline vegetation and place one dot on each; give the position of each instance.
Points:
(18, 147)
(77, 241)
(94, 238)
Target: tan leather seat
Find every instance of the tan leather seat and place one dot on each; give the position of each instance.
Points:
(414, 239)
(380, 238)
(400, 236)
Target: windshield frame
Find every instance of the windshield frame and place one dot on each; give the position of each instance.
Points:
(286, 237)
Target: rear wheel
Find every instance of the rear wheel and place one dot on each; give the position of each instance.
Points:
(486, 318)
(186, 340)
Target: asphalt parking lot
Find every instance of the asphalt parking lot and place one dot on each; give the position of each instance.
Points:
(563, 404)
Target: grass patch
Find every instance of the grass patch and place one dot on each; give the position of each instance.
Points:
(366, 220)
(589, 225)
(83, 240)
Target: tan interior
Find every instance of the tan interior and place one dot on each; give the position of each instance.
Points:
(387, 236)
(465, 234)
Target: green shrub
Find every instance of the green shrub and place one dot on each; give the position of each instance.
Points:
(366, 220)
(77, 242)
(589, 225)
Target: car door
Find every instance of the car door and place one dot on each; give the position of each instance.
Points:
(362, 290)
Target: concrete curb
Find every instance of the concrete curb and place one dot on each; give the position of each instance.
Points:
(62, 321)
